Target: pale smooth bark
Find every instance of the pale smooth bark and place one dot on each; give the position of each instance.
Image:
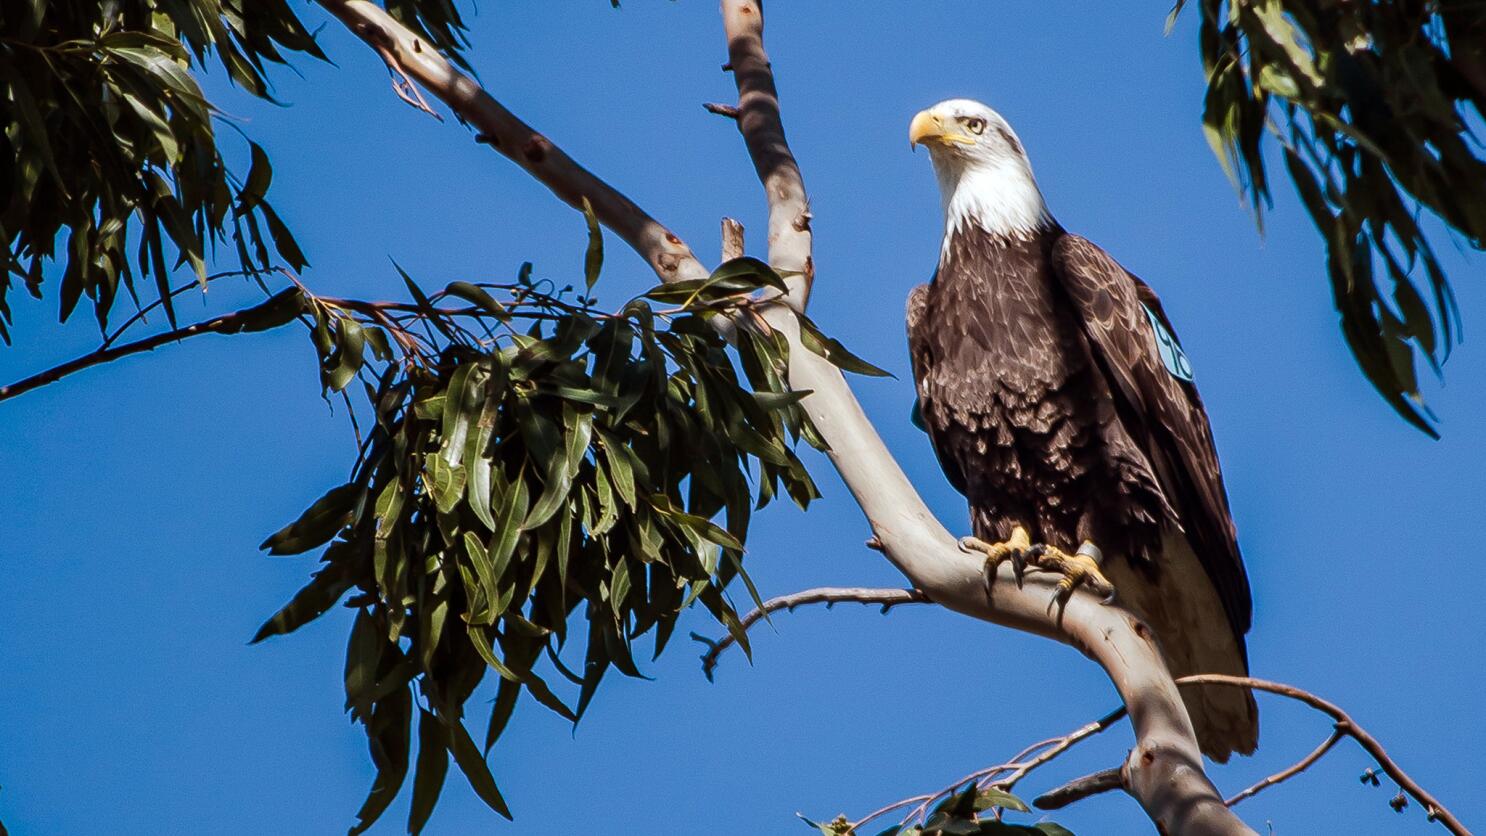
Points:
(1164, 770)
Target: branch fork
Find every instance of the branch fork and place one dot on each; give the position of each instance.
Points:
(1164, 772)
(1166, 768)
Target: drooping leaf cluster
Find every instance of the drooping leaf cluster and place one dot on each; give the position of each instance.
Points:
(973, 810)
(110, 162)
(1374, 106)
(539, 482)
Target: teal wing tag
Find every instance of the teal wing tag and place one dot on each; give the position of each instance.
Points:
(1172, 357)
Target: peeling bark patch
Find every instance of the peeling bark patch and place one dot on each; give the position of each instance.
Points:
(672, 239)
(536, 149)
(1147, 758)
(1141, 630)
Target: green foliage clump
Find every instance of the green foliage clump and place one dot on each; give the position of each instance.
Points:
(112, 162)
(537, 471)
(974, 810)
(1373, 106)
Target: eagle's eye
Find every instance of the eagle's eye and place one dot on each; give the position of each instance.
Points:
(976, 125)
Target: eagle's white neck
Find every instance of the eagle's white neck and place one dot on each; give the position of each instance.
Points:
(999, 196)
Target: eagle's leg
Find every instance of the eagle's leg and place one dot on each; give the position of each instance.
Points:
(1080, 568)
(1015, 548)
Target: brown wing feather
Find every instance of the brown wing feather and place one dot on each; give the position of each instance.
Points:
(1166, 413)
(921, 355)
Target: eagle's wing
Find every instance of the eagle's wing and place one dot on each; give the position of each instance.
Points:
(921, 355)
(1162, 412)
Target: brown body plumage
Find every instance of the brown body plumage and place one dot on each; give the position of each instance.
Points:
(1049, 407)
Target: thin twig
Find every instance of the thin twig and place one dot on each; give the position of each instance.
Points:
(721, 109)
(1105, 780)
(351, 413)
(830, 596)
(1112, 779)
(882, 811)
(1019, 766)
(1059, 746)
(1291, 771)
(918, 813)
(227, 323)
(143, 312)
(1347, 726)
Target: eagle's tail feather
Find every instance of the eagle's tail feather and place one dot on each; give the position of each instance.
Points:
(1179, 603)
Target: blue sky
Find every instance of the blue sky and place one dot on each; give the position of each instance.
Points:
(138, 491)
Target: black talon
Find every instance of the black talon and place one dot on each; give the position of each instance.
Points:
(1022, 558)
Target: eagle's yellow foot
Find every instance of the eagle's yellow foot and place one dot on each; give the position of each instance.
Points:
(1078, 569)
(1081, 568)
(1015, 549)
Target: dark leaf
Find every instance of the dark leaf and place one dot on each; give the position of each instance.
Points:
(260, 174)
(283, 240)
(433, 765)
(281, 309)
(593, 259)
(473, 765)
(318, 523)
(834, 351)
(319, 595)
(388, 737)
(992, 797)
(476, 296)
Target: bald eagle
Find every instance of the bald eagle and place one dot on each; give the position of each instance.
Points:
(1059, 401)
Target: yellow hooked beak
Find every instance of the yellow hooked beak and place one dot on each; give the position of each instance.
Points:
(928, 127)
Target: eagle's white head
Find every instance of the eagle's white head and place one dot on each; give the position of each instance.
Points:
(984, 176)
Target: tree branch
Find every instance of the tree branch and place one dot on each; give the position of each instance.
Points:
(830, 596)
(1164, 771)
(1165, 768)
(762, 127)
(420, 62)
(226, 324)
(143, 313)
(1056, 747)
(721, 109)
(1018, 767)
(1345, 725)
(1291, 771)
(1105, 780)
